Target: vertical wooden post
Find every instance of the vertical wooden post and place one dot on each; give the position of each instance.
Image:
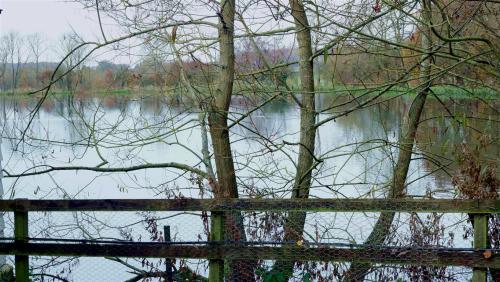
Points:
(216, 266)
(169, 274)
(480, 242)
(21, 237)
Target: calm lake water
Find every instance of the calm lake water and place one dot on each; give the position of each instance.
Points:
(357, 150)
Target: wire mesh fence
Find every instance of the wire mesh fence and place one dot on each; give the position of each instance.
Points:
(253, 240)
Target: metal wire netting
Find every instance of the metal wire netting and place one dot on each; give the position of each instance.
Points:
(273, 245)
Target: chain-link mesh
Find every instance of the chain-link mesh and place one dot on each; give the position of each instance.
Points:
(324, 245)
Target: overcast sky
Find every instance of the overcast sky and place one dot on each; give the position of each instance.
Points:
(51, 18)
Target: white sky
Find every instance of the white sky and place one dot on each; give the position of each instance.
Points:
(49, 17)
(52, 19)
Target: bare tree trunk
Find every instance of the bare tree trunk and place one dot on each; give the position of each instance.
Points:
(240, 270)
(69, 81)
(294, 226)
(358, 271)
(3, 259)
(37, 71)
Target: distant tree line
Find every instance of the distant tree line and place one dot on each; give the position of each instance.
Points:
(24, 67)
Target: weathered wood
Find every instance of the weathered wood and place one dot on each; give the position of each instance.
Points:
(379, 255)
(312, 205)
(480, 242)
(216, 266)
(169, 274)
(21, 238)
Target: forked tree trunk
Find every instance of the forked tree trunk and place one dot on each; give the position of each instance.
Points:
(294, 225)
(358, 271)
(239, 270)
(3, 258)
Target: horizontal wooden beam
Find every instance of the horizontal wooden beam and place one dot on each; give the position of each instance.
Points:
(375, 255)
(313, 205)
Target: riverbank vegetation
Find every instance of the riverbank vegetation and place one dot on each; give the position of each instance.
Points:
(397, 69)
(361, 73)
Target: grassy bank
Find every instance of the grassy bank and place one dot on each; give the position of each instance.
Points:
(443, 92)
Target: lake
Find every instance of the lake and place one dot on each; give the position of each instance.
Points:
(358, 152)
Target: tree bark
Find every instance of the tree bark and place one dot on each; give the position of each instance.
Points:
(3, 258)
(240, 270)
(294, 226)
(381, 230)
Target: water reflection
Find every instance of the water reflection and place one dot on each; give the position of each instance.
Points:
(358, 149)
(352, 145)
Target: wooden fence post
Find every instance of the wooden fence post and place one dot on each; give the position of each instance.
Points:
(21, 237)
(480, 242)
(216, 266)
(169, 274)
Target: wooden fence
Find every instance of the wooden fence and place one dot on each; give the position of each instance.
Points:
(480, 258)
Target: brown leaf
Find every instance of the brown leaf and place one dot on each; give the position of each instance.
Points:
(174, 33)
(487, 254)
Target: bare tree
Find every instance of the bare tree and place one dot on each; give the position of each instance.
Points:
(14, 47)
(3, 64)
(3, 259)
(36, 44)
(72, 61)
(306, 161)
(221, 102)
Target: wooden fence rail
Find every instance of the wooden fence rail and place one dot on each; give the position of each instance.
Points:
(217, 250)
(375, 255)
(311, 205)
